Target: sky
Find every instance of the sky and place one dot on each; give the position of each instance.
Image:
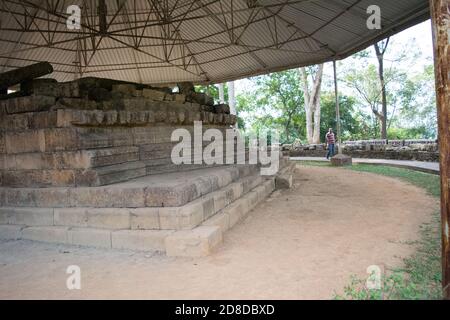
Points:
(414, 39)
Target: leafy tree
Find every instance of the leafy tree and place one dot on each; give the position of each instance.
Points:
(351, 127)
(417, 98)
(213, 91)
(276, 102)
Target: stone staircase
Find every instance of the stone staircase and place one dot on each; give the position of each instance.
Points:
(180, 214)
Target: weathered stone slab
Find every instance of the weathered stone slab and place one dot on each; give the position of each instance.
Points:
(41, 120)
(145, 219)
(78, 104)
(14, 122)
(71, 217)
(151, 135)
(31, 216)
(60, 139)
(96, 137)
(107, 197)
(108, 218)
(170, 196)
(46, 234)
(29, 120)
(38, 178)
(236, 211)
(25, 141)
(112, 156)
(126, 89)
(29, 104)
(71, 89)
(2, 143)
(120, 172)
(141, 240)
(179, 218)
(5, 214)
(180, 98)
(341, 160)
(34, 197)
(198, 242)
(221, 220)
(156, 151)
(154, 94)
(11, 232)
(90, 237)
(29, 161)
(284, 181)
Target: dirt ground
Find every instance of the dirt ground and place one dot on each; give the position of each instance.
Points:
(302, 243)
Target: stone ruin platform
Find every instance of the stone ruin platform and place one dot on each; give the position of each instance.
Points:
(180, 214)
(89, 163)
(68, 138)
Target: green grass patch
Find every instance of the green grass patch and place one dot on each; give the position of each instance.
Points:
(420, 276)
(429, 182)
(314, 163)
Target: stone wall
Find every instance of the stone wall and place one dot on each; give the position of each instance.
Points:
(427, 150)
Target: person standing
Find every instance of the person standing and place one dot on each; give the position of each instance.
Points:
(330, 138)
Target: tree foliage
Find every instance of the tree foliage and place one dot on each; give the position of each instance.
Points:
(276, 102)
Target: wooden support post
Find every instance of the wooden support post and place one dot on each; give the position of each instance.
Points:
(338, 113)
(440, 16)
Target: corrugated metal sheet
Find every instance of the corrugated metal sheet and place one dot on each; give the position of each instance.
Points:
(153, 41)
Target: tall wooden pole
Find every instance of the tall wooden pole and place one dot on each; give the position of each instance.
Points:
(338, 113)
(440, 16)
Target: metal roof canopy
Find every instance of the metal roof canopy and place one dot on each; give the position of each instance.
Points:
(203, 41)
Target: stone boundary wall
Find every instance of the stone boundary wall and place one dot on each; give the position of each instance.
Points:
(419, 150)
(394, 143)
(389, 155)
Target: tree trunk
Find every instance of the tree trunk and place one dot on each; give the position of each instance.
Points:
(221, 93)
(312, 104)
(309, 125)
(316, 136)
(380, 51)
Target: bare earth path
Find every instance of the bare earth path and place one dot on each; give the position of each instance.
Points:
(302, 243)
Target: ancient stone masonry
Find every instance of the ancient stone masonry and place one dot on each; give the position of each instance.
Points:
(93, 132)
(89, 163)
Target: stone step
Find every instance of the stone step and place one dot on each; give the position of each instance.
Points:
(194, 213)
(159, 190)
(238, 210)
(64, 160)
(199, 241)
(140, 240)
(120, 172)
(285, 177)
(102, 176)
(187, 216)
